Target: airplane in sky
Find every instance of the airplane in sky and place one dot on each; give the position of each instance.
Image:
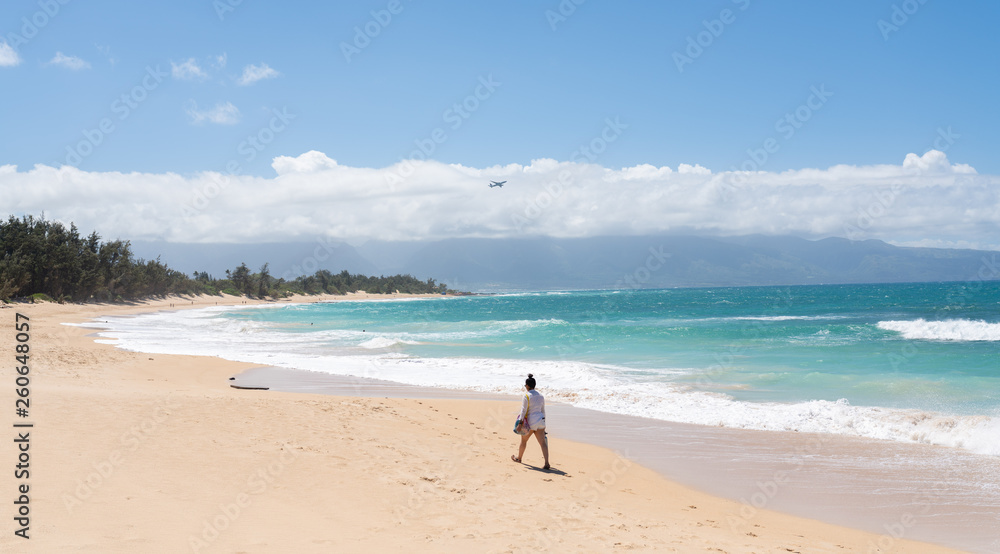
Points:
(496, 184)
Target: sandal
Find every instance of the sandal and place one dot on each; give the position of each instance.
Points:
(512, 457)
(546, 467)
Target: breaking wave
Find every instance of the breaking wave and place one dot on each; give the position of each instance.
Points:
(948, 329)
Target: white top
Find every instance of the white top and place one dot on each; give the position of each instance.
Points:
(534, 403)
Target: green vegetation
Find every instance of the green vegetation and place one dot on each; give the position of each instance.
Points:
(44, 260)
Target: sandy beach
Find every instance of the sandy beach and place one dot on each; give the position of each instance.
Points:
(133, 452)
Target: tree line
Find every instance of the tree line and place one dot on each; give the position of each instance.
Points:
(42, 258)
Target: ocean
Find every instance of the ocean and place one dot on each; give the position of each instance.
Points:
(909, 363)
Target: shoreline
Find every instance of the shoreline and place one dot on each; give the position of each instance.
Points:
(159, 453)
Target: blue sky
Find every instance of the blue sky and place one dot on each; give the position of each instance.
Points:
(605, 59)
(896, 77)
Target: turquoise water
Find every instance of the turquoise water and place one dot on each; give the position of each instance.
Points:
(910, 362)
(757, 344)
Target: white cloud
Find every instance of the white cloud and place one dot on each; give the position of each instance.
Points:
(188, 70)
(642, 171)
(693, 169)
(223, 113)
(312, 195)
(309, 162)
(220, 60)
(253, 73)
(8, 56)
(69, 62)
(934, 161)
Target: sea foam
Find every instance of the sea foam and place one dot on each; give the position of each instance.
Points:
(653, 393)
(948, 329)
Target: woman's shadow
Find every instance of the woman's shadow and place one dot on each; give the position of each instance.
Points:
(551, 470)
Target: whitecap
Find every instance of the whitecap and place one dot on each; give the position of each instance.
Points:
(945, 330)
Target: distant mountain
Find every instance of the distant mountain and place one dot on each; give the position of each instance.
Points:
(601, 262)
(287, 260)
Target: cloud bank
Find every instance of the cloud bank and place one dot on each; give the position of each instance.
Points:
(926, 201)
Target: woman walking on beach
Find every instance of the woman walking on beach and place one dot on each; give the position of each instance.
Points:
(533, 408)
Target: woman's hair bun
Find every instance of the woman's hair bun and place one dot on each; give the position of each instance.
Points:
(530, 376)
